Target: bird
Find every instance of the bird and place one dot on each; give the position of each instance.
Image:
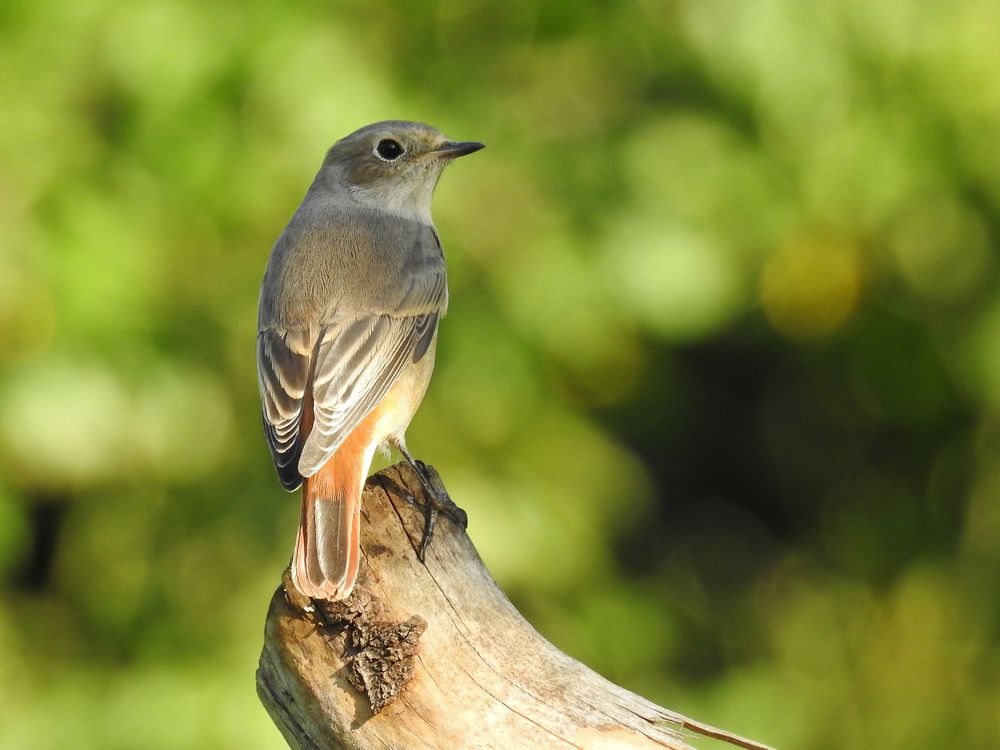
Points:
(352, 295)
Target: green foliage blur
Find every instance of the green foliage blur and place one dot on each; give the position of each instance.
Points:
(719, 386)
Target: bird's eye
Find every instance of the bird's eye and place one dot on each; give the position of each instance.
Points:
(388, 149)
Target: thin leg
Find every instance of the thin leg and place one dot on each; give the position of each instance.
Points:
(438, 502)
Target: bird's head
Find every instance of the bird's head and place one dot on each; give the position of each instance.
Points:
(394, 165)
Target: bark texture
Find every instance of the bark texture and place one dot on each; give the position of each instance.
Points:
(433, 655)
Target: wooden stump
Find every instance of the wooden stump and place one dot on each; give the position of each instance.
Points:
(433, 655)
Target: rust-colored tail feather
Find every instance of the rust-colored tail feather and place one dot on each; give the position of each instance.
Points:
(327, 550)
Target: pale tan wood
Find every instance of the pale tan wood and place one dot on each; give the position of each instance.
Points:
(444, 654)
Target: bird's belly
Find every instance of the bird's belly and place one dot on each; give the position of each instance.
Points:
(400, 403)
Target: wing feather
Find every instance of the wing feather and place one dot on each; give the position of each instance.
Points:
(351, 386)
(283, 374)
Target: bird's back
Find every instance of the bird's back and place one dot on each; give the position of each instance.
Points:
(338, 257)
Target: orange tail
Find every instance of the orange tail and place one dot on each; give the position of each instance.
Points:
(327, 548)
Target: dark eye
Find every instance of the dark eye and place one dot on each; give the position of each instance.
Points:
(389, 149)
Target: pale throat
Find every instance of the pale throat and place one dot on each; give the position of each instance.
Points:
(413, 203)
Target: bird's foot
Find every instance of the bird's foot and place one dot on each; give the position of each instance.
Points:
(438, 502)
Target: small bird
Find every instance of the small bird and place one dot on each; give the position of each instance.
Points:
(347, 329)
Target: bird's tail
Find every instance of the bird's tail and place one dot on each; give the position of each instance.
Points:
(327, 548)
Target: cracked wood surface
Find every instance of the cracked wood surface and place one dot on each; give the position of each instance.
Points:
(442, 655)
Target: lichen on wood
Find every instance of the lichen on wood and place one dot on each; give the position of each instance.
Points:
(379, 652)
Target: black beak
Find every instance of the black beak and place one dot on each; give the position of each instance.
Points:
(454, 149)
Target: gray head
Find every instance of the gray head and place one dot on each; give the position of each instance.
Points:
(394, 165)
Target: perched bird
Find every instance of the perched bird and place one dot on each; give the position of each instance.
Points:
(349, 309)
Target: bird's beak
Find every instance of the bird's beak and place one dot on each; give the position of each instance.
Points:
(454, 149)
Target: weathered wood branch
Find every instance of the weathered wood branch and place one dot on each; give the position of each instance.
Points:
(435, 656)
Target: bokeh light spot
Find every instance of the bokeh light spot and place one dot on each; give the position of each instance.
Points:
(679, 283)
(63, 422)
(810, 287)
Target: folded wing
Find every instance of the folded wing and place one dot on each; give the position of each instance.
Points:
(340, 370)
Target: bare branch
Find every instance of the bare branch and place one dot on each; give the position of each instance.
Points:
(435, 656)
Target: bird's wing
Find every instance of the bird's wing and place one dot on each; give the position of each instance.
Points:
(283, 368)
(357, 362)
(342, 369)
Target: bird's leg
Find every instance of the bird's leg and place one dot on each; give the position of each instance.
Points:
(438, 501)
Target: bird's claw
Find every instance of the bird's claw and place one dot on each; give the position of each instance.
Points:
(438, 502)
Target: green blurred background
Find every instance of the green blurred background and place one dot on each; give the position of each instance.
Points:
(719, 386)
